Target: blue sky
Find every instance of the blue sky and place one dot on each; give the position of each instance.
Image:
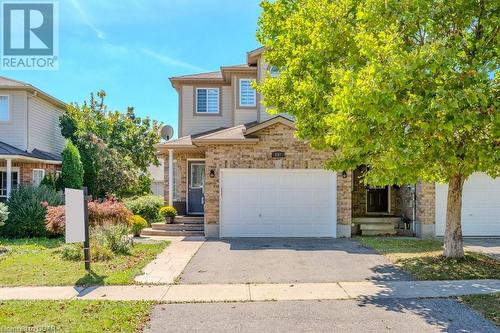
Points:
(130, 48)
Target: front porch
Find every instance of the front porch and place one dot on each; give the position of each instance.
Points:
(20, 167)
(391, 209)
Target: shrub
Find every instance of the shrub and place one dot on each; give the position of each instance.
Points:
(27, 208)
(72, 169)
(98, 252)
(146, 206)
(113, 237)
(108, 212)
(168, 211)
(4, 213)
(137, 223)
(55, 220)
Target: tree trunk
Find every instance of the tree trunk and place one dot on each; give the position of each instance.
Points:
(453, 243)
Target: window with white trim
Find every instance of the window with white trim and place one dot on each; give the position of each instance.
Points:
(38, 175)
(248, 96)
(3, 182)
(4, 108)
(207, 100)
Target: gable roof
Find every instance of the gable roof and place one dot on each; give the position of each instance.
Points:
(278, 119)
(8, 83)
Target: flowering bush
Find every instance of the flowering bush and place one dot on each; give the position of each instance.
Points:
(108, 212)
(168, 211)
(137, 223)
(4, 213)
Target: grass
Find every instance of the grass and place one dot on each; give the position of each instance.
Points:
(74, 316)
(487, 305)
(424, 261)
(38, 262)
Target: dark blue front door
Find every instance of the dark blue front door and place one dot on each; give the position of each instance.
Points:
(196, 187)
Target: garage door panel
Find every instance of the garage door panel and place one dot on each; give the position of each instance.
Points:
(480, 206)
(287, 203)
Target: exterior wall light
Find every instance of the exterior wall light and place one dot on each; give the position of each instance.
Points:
(344, 174)
(212, 173)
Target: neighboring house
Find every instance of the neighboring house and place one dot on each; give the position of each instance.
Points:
(158, 178)
(247, 174)
(30, 139)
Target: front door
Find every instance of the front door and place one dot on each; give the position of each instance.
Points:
(377, 199)
(196, 186)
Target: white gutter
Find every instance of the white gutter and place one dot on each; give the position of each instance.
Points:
(29, 159)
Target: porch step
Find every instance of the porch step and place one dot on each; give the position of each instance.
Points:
(187, 219)
(153, 232)
(178, 226)
(377, 225)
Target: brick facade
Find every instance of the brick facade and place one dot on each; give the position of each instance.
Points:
(359, 196)
(277, 137)
(26, 169)
(426, 203)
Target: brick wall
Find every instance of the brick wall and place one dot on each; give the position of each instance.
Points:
(278, 137)
(26, 169)
(426, 203)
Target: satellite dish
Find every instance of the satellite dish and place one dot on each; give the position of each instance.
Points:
(166, 132)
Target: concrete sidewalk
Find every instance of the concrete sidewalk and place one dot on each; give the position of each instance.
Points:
(258, 292)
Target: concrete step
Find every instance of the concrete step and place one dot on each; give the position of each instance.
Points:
(178, 226)
(152, 232)
(376, 219)
(377, 232)
(378, 226)
(189, 219)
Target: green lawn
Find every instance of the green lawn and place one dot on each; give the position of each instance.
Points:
(424, 261)
(37, 262)
(74, 316)
(487, 305)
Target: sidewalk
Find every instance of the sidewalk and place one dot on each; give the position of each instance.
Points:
(258, 292)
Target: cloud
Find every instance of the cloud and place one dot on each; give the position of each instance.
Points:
(86, 20)
(170, 62)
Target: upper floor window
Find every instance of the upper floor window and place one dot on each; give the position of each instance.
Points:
(207, 100)
(4, 108)
(274, 71)
(247, 93)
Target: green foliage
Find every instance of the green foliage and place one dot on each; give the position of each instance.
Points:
(168, 211)
(72, 169)
(50, 181)
(137, 224)
(147, 206)
(113, 237)
(27, 206)
(116, 148)
(408, 88)
(4, 213)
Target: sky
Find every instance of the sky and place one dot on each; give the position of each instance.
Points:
(129, 48)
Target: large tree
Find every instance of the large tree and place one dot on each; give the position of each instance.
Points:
(408, 88)
(116, 148)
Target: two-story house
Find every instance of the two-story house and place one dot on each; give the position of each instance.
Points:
(247, 175)
(30, 138)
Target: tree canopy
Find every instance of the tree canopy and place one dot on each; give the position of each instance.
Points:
(116, 148)
(409, 88)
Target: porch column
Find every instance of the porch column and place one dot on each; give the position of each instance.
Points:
(170, 177)
(9, 176)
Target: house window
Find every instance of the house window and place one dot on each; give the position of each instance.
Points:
(4, 108)
(274, 71)
(207, 100)
(3, 182)
(247, 93)
(38, 175)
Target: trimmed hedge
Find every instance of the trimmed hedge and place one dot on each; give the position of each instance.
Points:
(147, 206)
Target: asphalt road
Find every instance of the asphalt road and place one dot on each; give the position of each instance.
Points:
(389, 315)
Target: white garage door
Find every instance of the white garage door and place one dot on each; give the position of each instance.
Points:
(480, 206)
(278, 203)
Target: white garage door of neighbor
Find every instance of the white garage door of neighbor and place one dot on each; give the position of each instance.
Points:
(480, 206)
(278, 203)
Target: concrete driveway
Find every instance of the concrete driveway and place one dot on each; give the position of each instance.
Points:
(287, 260)
(409, 315)
(487, 246)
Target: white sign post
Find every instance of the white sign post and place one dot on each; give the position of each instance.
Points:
(77, 221)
